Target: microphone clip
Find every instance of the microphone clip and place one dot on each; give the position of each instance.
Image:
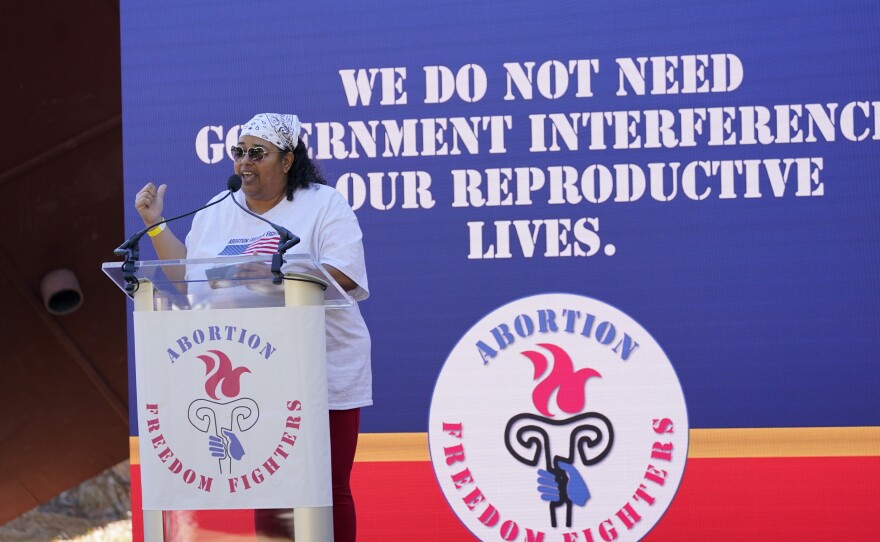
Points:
(131, 250)
(286, 241)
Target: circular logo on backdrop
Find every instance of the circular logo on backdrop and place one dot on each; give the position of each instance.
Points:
(558, 418)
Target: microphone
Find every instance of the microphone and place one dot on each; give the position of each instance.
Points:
(287, 239)
(131, 250)
(233, 183)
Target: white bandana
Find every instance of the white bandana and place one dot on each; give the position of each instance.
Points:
(280, 130)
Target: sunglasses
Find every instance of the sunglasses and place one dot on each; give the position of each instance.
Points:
(255, 154)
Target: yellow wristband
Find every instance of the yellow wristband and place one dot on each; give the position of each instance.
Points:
(156, 230)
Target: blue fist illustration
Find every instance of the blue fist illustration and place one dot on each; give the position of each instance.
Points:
(226, 446)
(570, 480)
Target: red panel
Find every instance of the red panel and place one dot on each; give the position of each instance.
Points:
(775, 499)
(401, 501)
(137, 504)
(196, 526)
(719, 500)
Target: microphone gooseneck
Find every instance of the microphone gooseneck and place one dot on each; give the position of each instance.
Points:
(287, 238)
(131, 250)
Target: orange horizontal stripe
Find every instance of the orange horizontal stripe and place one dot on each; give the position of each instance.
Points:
(785, 442)
(704, 443)
(392, 447)
(134, 451)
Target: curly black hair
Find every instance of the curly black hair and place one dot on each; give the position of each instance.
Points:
(304, 171)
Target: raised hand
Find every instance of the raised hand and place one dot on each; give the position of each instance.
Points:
(149, 202)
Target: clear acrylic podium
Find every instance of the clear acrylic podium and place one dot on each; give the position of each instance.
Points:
(224, 283)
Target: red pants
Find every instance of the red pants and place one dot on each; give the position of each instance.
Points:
(344, 426)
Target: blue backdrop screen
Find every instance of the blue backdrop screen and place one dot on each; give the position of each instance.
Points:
(711, 169)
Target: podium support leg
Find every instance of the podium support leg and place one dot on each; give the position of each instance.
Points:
(313, 524)
(154, 528)
(309, 524)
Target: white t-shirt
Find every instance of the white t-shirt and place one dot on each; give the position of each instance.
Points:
(328, 230)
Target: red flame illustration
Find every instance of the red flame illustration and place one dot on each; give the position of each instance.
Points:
(225, 378)
(571, 397)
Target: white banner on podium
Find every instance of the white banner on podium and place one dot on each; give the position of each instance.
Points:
(232, 408)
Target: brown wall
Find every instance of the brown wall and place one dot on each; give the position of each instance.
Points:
(63, 383)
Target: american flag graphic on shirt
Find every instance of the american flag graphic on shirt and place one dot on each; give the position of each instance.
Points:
(263, 244)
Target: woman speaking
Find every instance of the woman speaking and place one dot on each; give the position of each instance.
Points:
(280, 183)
